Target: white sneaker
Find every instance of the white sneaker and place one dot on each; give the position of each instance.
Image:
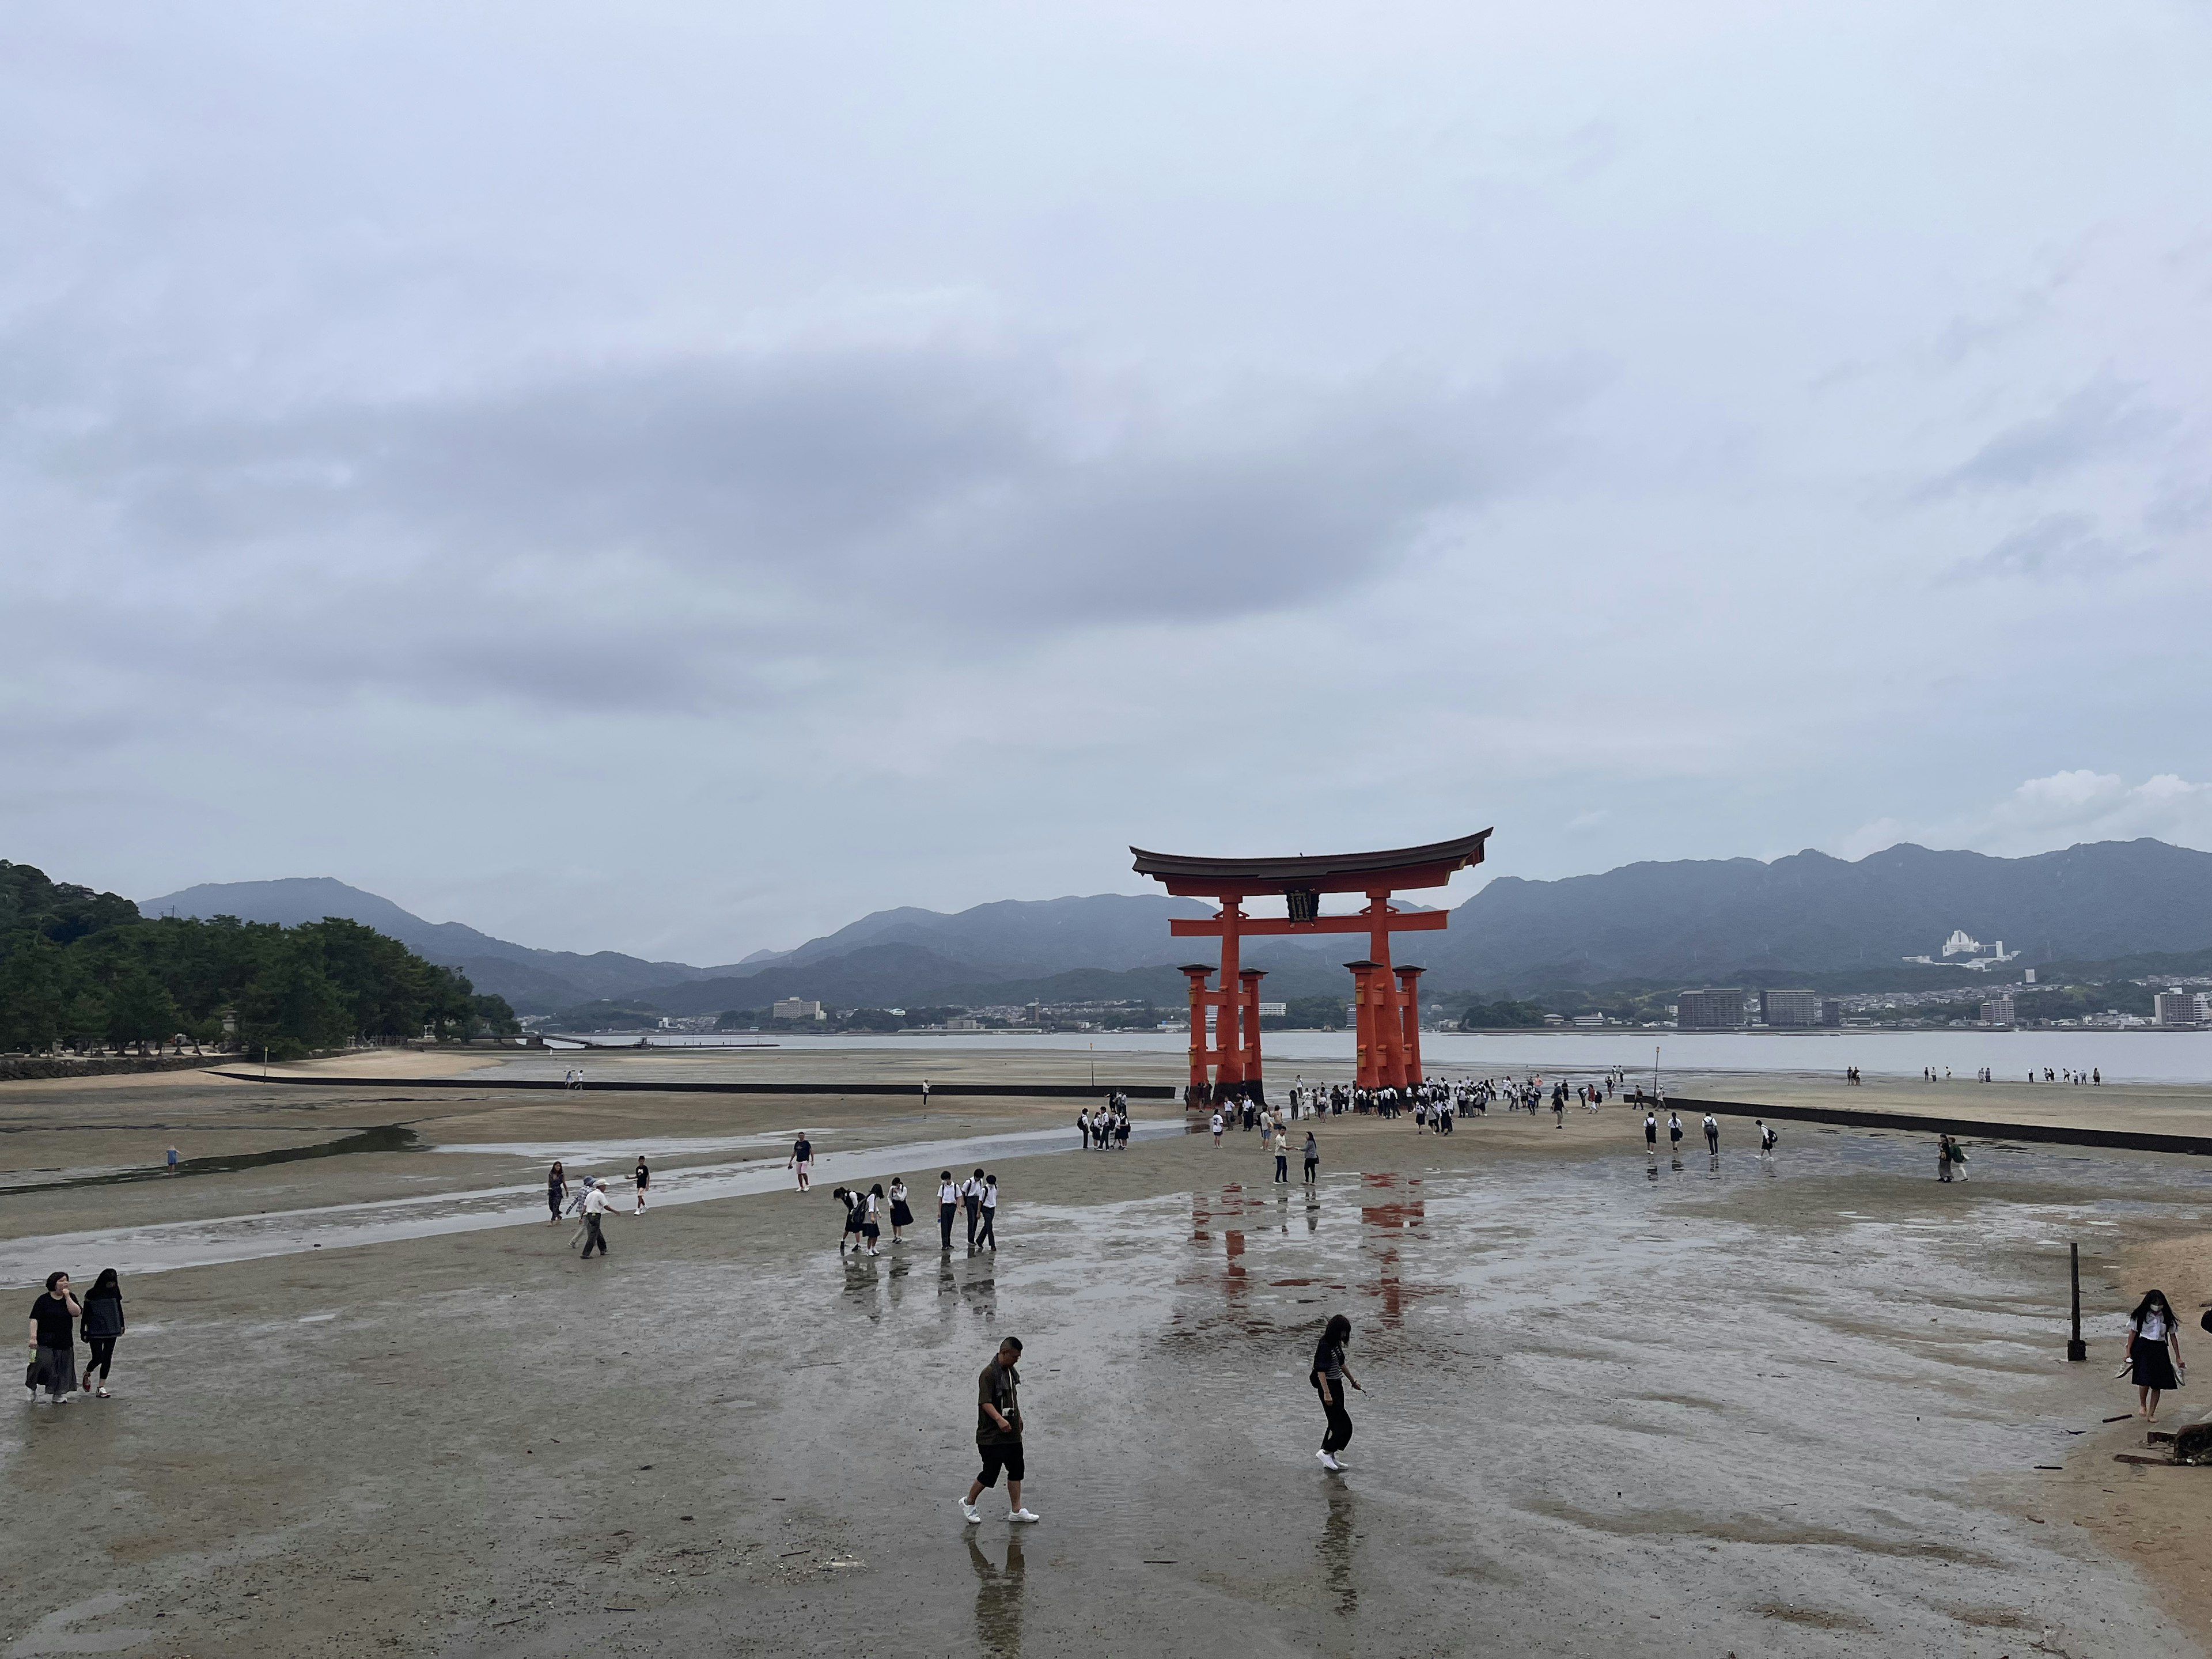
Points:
(1329, 1462)
(969, 1512)
(1020, 1517)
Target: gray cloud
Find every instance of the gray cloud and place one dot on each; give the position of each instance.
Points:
(769, 501)
(2055, 544)
(2104, 419)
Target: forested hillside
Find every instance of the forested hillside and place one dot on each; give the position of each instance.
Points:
(85, 969)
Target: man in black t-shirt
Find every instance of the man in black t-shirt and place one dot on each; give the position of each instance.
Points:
(53, 1341)
(998, 1432)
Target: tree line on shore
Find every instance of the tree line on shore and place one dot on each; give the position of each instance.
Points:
(85, 969)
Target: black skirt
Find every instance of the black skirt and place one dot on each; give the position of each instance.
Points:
(901, 1215)
(2154, 1363)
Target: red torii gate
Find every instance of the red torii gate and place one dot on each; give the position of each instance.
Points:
(1386, 998)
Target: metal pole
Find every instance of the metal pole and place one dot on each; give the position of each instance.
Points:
(2077, 1349)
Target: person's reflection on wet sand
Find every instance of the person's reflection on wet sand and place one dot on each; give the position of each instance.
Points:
(1337, 1538)
(947, 1283)
(999, 1598)
(1651, 1171)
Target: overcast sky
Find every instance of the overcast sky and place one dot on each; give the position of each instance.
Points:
(675, 477)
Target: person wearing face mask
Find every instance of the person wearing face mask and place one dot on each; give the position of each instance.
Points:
(2154, 1351)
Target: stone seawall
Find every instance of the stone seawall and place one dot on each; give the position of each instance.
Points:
(18, 1068)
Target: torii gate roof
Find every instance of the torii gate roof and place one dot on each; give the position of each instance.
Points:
(1399, 869)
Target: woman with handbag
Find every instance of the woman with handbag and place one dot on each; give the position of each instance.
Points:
(2154, 1350)
(53, 1341)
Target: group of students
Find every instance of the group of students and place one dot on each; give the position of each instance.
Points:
(57, 1318)
(590, 1205)
(1108, 1129)
(1768, 1138)
(864, 1214)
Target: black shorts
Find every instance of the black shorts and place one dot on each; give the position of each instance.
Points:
(1007, 1456)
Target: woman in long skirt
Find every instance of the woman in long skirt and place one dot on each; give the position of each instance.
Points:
(2154, 1350)
(1330, 1374)
(53, 1341)
(902, 1212)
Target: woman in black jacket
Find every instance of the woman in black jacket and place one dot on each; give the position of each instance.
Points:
(1330, 1374)
(102, 1323)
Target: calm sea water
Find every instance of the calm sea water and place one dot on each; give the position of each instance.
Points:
(2122, 1056)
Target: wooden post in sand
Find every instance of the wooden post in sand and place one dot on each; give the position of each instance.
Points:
(2076, 1348)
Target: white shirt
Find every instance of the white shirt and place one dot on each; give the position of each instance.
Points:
(1217, 1123)
(2153, 1328)
(971, 1188)
(990, 1198)
(595, 1201)
(948, 1193)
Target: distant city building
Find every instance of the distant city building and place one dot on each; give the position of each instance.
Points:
(1963, 944)
(1710, 1011)
(1832, 1012)
(796, 1008)
(1789, 1007)
(1274, 1011)
(2175, 1007)
(2204, 1007)
(1555, 1019)
(1589, 1019)
(961, 1023)
(1997, 1011)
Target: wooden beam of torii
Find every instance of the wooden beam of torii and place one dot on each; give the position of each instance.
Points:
(1387, 1002)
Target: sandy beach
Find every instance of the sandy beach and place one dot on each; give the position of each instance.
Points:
(1791, 1406)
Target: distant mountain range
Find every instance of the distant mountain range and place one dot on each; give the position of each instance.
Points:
(1692, 922)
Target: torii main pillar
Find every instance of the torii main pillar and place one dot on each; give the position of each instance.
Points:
(1386, 1000)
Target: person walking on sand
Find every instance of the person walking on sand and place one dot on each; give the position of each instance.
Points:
(1652, 1133)
(1330, 1374)
(1083, 1126)
(902, 1213)
(1943, 1157)
(1216, 1126)
(971, 1196)
(1712, 1135)
(53, 1341)
(948, 1206)
(643, 1177)
(556, 1192)
(1674, 1132)
(1282, 1150)
(998, 1434)
(595, 1216)
(802, 1159)
(987, 1237)
(1313, 1157)
(102, 1324)
(2154, 1351)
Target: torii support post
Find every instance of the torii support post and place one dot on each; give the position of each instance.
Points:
(1229, 1004)
(1249, 996)
(1409, 1012)
(1200, 998)
(1364, 1072)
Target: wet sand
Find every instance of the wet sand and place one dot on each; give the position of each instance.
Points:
(1782, 1408)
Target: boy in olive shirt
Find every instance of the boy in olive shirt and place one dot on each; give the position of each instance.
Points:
(998, 1432)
